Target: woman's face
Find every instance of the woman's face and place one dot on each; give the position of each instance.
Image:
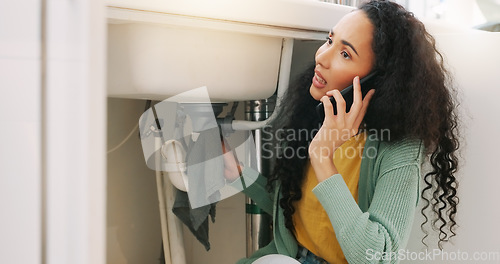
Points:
(346, 54)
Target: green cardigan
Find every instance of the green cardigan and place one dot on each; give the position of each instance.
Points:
(367, 231)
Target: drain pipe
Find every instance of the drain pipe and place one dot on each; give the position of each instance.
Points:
(283, 81)
(258, 222)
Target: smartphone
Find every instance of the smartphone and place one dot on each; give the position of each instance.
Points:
(348, 94)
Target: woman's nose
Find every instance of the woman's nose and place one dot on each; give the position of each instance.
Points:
(324, 55)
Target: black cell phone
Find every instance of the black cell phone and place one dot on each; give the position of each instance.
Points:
(366, 83)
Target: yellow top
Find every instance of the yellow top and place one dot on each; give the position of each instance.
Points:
(313, 229)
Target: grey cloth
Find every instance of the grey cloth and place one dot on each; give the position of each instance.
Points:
(195, 219)
(205, 170)
(205, 165)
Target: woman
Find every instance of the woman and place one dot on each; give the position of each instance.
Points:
(349, 192)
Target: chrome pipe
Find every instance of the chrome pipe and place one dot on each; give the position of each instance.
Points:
(258, 222)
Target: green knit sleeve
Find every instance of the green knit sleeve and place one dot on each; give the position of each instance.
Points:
(374, 236)
(253, 184)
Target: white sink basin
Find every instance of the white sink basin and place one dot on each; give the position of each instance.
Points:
(157, 61)
(158, 49)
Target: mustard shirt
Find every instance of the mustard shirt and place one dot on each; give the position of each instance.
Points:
(313, 229)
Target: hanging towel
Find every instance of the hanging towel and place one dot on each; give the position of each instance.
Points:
(205, 170)
(195, 219)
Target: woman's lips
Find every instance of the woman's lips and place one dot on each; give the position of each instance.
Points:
(318, 80)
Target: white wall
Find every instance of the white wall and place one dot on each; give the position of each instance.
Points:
(52, 138)
(74, 156)
(474, 60)
(461, 13)
(20, 136)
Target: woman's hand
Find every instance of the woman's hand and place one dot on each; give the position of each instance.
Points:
(232, 170)
(336, 129)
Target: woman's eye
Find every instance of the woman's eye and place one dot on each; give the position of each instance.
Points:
(329, 40)
(345, 55)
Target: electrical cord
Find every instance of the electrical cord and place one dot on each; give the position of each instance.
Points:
(125, 140)
(148, 105)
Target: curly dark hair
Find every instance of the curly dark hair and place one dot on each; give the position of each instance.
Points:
(411, 75)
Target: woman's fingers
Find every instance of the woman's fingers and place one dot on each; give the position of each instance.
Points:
(366, 102)
(358, 97)
(353, 119)
(340, 104)
(328, 108)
